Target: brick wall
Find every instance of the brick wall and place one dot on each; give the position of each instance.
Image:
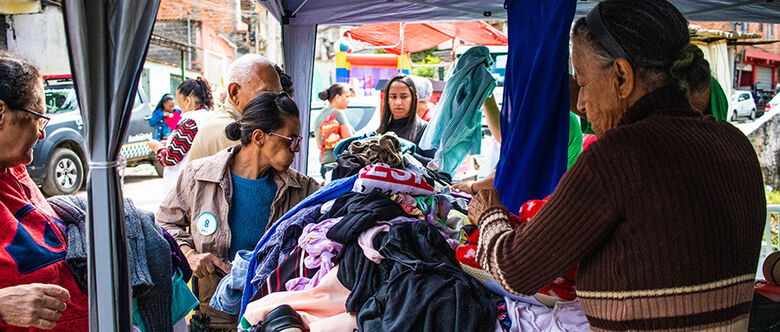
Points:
(176, 29)
(753, 28)
(222, 15)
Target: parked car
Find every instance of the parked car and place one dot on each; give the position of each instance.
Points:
(742, 105)
(59, 164)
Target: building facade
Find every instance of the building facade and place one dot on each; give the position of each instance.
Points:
(757, 61)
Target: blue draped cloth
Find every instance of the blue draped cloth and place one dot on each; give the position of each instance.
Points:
(535, 118)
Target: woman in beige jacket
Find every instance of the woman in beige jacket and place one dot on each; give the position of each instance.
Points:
(224, 203)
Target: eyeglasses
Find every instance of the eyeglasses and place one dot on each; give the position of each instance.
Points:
(42, 119)
(295, 142)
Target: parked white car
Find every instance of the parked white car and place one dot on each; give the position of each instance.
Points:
(742, 105)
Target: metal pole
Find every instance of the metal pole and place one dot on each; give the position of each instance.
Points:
(182, 66)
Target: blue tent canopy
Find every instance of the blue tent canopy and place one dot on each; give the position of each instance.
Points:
(300, 18)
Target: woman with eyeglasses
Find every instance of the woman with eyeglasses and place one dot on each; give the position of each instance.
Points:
(229, 200)
(37, 289)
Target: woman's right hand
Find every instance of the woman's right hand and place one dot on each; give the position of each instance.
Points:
(33, 305)
(463, 187)
(205, 264)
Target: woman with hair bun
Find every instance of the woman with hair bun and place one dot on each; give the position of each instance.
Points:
(195, 101)
(332, 123)
(664, 213)
(224, 203)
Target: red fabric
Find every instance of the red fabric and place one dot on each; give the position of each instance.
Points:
(563, 287)
(33, 245)
(467, 254)
(173, 121)
(427, 115)
(771, 292)
(390, 180)
(422, 36)
(587, 140)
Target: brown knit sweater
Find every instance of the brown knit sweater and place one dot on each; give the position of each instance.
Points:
(664, 214)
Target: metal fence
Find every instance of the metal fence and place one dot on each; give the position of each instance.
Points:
(770, 242)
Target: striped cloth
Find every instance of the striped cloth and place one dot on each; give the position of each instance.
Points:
(181, 142)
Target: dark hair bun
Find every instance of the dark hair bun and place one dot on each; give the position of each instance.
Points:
(323, 95)
(690, 68)
(233, 131)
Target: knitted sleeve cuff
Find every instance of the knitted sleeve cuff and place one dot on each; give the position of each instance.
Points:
(494, 231)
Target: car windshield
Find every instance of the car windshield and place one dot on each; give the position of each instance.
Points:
(60, 100)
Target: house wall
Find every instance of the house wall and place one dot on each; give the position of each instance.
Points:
(41, 39)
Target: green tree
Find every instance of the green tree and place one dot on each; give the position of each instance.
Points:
(427, 71)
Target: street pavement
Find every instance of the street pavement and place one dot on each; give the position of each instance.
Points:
(143, 186)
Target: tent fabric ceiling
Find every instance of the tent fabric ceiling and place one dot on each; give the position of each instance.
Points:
(346, 12)
(422, 36)
(304, 16)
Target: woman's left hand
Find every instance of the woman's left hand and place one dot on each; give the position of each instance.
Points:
(482, 201)
(154, 145)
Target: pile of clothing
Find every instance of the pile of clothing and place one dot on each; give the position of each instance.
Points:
(379, 257)
(375, 250)
(159, 271)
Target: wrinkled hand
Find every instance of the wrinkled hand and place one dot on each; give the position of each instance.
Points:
(205, 264)
(33, 305)
(154, 145)
(482, 201)
(463, 186)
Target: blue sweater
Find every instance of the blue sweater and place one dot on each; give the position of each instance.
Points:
(249, 211)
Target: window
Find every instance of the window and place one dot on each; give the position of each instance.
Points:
(743, 27)
(175, 81)
(145, 81)
(61, 100)
(770, 31)
(760, 27)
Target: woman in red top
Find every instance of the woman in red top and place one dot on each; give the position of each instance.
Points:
(37, 290)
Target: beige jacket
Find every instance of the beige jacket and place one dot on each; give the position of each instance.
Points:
(204, 188)
(211, 137)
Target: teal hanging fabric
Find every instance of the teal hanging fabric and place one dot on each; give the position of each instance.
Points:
(456, 127)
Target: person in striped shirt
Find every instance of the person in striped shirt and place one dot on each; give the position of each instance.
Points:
(195, 100)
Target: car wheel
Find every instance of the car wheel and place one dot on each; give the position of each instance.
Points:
(752, 114)
(158, 167)
(64, 173)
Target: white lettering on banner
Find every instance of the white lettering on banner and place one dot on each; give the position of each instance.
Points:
(403, 175)
(375, 172)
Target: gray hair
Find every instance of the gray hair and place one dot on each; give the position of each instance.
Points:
(424, 87)
(241, 70)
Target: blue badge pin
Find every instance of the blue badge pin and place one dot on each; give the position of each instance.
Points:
(206, 223)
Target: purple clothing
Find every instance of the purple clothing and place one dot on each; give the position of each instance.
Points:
(321, 251)
(282, 242)
(366, 242)
(366, 239)
(178, 260)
